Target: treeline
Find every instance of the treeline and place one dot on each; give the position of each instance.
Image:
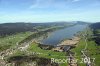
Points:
(96, 32)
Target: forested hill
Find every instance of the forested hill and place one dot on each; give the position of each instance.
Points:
(96, 31)
(95, 25)
(11, 28)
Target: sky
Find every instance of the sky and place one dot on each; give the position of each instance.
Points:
(49, 10)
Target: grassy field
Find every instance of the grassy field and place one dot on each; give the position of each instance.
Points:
(92, 50)
(47, 53)
(11, 41)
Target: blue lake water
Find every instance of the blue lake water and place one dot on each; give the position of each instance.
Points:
(58, 35)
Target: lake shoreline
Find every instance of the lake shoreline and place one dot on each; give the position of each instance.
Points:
(70, 42)
(67, 44)
(56, 37)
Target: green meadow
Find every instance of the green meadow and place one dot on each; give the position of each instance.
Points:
(11, 41)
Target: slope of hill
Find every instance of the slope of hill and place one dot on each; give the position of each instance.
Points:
(96, 31)
(12, 28)
(95, 25)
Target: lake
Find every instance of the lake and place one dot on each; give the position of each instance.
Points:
(66, 33)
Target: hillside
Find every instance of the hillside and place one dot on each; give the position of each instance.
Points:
(12, 28)
(96, 31)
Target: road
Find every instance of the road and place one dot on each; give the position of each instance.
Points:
(88, 61)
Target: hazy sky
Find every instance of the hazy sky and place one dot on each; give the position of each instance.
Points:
(49, 10)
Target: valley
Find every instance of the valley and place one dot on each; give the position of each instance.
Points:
(27, 49)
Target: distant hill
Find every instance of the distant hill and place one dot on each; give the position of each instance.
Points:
(81, 22)
(95, 25)
(11, 28)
